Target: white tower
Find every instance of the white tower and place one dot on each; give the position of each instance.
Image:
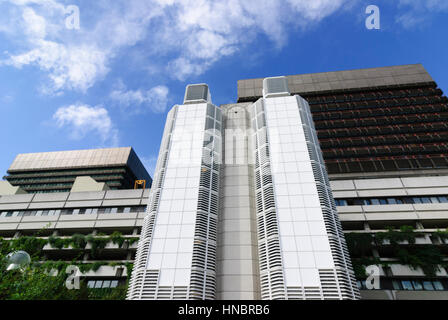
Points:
(176, 256)
(302, 250)
(280, 236)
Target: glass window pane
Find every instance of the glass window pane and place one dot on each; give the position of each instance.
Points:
(127, 210)
(396, 285)
(426, 200)
(391, 201)
(106, 284)
(434, 200)
(443, 199)
(114, 284)
(113, 210)
(383, 201)
(375, 201)
(417, 285)
(407, 285)
(427, 285)
(363, 284)
(91, 284)
(98, 284)
(437, 285)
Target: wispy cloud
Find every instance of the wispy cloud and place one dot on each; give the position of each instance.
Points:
(77, 67)
(184, 38)
(6, 99)
(187, 36)
(140, 101)
(415, 12)
(82, 120)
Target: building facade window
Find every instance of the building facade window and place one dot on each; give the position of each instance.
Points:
(391, 200)
(102, 284)
(80, 211)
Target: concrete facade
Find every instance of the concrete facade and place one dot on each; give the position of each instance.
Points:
(48, 172)
(65, 214)
(426, 218)
(383, 136)
(88, 184)
(238, 269)
(7, 188)
(431, 214)
(252, 89)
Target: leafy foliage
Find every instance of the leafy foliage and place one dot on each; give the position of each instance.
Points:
(427, 257)
(36, 283)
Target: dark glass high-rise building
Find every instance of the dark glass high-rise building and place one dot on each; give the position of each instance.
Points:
(370, 120)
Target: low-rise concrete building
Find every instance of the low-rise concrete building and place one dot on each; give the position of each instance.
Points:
(372, 205)
(80, 206)
(100, 214)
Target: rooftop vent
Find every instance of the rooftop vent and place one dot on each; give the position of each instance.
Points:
(197, 93)
(275, 87)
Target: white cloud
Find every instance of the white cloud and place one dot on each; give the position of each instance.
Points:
(181, 68)
(188, 36)
(416, 12)
(206, 31)
(82, 120)
(77, 67)
(154, 99)
(35, 25)
(6, 99)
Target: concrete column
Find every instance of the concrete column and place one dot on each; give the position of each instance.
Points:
(237, 265)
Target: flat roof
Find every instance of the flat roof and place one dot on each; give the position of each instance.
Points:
(250, 89)
(71, 159)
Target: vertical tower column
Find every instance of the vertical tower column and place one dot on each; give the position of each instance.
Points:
(303, 254)
(238, 272)
(176, 255)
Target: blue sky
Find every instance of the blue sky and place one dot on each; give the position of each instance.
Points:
(111, 82)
